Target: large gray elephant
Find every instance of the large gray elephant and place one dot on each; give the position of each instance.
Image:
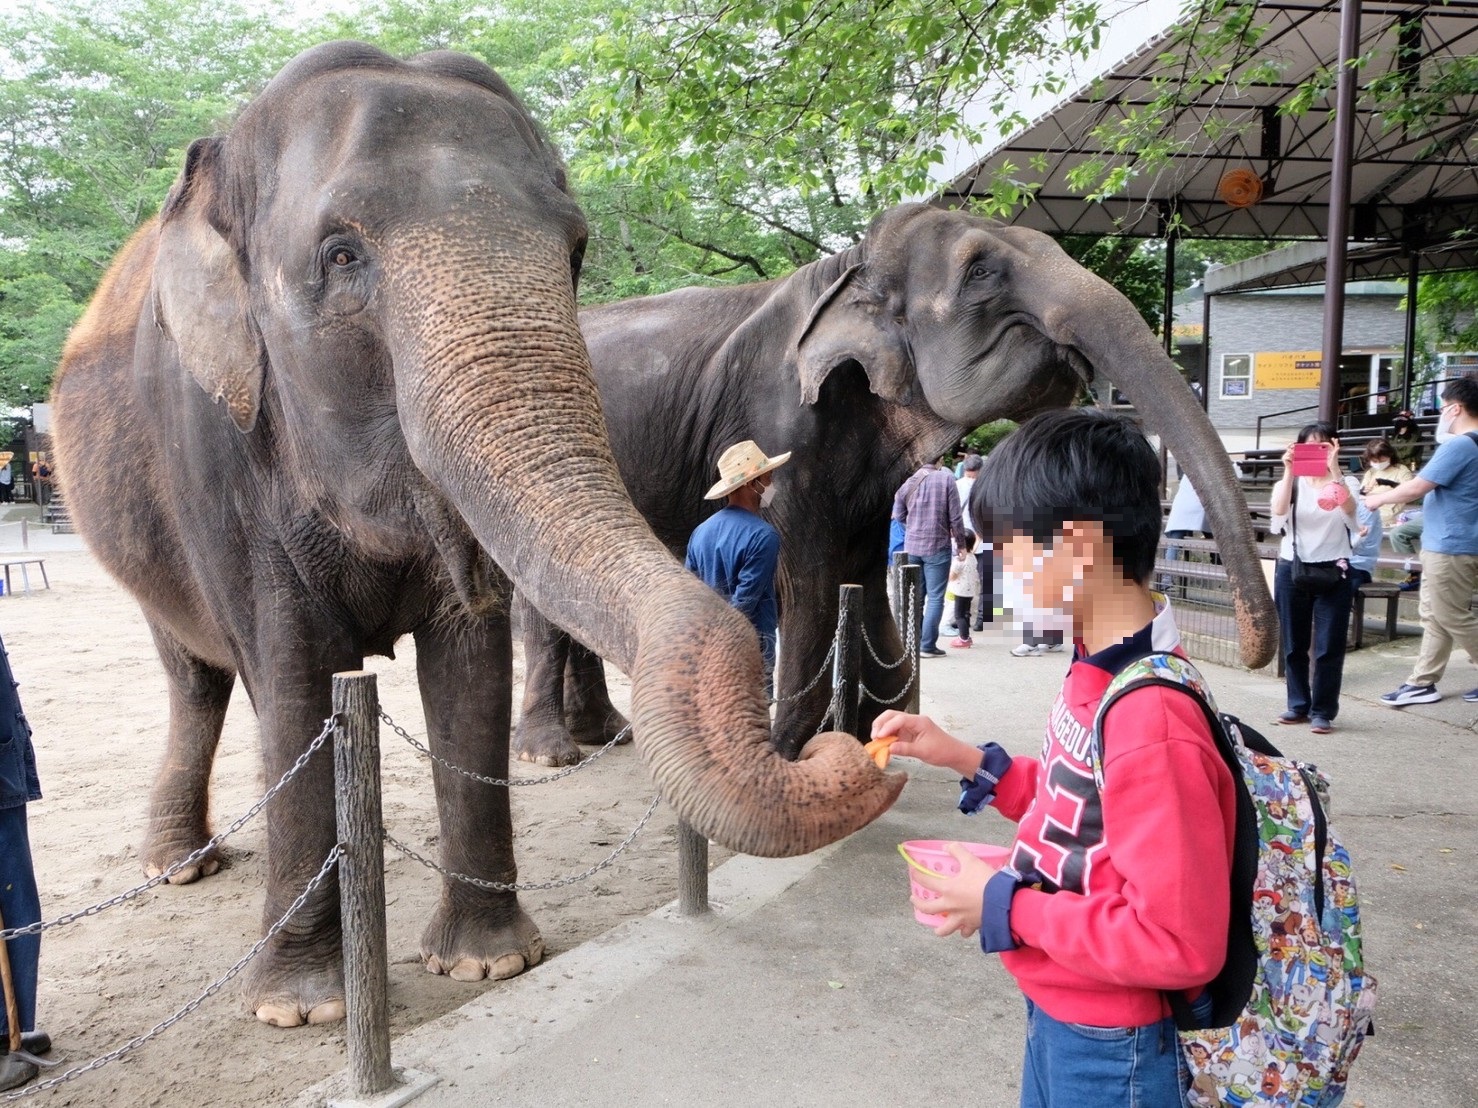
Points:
(374, 273)
(864, 364)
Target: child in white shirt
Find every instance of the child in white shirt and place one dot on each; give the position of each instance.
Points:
(964, 583)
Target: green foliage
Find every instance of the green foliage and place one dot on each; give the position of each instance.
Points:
(984, 439)
(1447, 318)
(97, 103)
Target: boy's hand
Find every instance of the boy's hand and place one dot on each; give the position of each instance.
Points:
(960, 894)
(920, 737)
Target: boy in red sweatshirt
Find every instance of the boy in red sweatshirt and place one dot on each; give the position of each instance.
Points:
(1114, 896)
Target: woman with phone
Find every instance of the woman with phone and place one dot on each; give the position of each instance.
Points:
(1313, 507)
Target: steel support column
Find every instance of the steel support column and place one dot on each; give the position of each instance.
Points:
(1413, 267)
(1339, 209)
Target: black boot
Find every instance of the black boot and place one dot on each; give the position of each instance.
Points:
(35, 1042)
(14, 1071)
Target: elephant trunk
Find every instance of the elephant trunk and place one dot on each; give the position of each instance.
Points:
(1099, 322)
(498, 406)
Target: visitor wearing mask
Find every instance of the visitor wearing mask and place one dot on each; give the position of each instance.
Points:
(1381, 470)
(928, 506)
(1317, 519)
(1449, 484)
(736, 552)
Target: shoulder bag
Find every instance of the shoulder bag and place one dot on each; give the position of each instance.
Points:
(1317, 577)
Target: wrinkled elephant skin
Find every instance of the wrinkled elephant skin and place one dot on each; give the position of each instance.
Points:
(307, 413)
(864, 365)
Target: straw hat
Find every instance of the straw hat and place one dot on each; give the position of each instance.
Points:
(741, 464)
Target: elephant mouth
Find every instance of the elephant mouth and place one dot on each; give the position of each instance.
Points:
(1082, 368)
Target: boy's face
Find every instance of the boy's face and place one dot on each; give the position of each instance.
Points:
(1047, 573)
(1054, 575)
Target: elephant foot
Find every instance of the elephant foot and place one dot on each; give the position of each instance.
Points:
(468, 947)
(162, 850)
(599, 728)
(286, 992)
(545, 743)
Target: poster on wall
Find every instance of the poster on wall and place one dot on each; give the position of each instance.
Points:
(1283, 370)
(1234, 386)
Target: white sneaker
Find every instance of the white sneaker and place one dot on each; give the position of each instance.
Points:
(1026, 650)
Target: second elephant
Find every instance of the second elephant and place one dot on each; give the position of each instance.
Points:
(864, 365)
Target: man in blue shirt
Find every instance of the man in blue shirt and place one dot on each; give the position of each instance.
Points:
(734, 551)
(20, 905)
(1449, 482)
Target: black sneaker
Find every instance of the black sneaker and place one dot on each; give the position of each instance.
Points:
(15, 1071)
(1411, 694)
(935, 653)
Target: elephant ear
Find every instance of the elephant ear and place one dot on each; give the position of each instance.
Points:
(853, 323)
(201, 301)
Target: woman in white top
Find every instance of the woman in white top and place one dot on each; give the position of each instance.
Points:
(1316, 516)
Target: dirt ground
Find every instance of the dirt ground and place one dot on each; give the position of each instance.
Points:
(94, 692)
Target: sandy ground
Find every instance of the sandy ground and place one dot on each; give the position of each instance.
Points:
(94, 691)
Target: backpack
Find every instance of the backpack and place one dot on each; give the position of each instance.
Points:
(1293, 1003)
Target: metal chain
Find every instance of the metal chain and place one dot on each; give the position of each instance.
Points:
(498, 781)
(210, 991)
(190, 859)
(876, 699)
(836, 634)
(908, 636)
(515, 887)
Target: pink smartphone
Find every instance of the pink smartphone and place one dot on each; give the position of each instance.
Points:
(1310, 459)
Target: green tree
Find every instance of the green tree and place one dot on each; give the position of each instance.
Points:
(97, 104)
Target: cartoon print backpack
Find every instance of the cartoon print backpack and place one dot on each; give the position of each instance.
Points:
(1293, 1002)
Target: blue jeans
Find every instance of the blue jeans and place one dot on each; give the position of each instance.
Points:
(1320, 619)
(19, 905)
(1070, 1065)
(936, 579)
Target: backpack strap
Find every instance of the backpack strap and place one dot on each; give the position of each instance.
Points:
(1159, 669)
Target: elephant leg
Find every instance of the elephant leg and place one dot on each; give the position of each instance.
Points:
(541, 735)
(591, 717)
(179, 821)
(466, 676)
(298, 978)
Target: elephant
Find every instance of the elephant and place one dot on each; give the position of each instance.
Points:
(307, 413)
(865, 365)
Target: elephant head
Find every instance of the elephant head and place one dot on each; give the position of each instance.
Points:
(964, 320)
(375, 271)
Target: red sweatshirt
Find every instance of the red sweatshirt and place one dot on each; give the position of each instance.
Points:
(1136, 879)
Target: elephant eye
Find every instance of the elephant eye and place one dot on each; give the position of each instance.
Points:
(979, 271)
(343, 257)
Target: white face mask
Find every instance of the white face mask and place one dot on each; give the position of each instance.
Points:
(1024, 609)
(768, 496)
(1378, 466)
(1445, 421)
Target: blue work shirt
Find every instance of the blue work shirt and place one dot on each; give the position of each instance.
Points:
(735, 553)
(1365, 551)
(1450, 511)
(18, 781)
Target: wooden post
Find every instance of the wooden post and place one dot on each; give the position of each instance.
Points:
(25, 535)
(692, 871)
(846, 666)
(912, 577)
(362, 881)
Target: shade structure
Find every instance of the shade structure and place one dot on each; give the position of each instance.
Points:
(1412, 186)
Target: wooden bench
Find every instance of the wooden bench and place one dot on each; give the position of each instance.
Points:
(24, 564)
(1374, 590)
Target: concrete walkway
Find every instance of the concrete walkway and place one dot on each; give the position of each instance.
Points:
(812, 984)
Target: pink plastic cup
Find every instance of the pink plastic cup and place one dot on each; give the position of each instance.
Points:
(933, 856)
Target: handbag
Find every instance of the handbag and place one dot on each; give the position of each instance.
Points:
(1318, 577)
